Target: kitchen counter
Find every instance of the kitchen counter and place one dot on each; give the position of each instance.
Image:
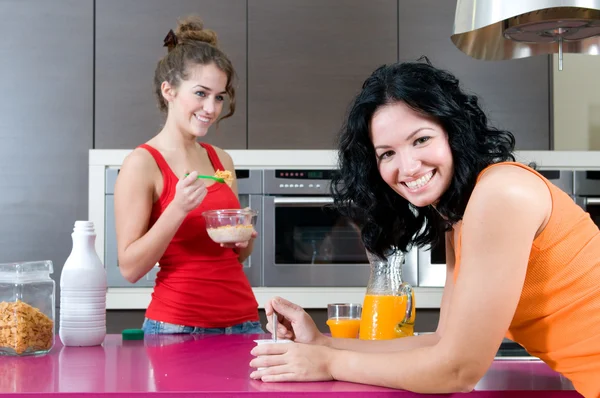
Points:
(217, 366)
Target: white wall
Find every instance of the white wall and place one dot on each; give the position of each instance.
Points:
(577, 103)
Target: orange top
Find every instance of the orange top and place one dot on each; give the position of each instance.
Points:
(558, 315)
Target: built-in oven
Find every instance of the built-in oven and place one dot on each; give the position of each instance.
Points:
(308, 243)
(250, 191)
(432, 261)
(587, 192)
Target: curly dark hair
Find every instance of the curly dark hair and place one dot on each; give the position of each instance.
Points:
(387, 220)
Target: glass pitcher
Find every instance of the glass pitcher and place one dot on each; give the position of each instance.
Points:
(389, 304)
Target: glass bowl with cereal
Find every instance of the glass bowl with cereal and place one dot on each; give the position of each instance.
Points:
(230, 225)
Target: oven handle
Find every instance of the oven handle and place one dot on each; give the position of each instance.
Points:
(307, 200)
(592, 201)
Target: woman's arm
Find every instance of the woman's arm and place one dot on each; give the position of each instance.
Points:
(138, 248)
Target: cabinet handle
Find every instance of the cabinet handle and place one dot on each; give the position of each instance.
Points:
(316, 200)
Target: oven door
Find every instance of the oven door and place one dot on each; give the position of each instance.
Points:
(432, 266)
(253, 265)
(111, 262)
(587, 192)
(308, 244)
(592, 206)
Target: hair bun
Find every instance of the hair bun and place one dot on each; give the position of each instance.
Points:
(191, 28)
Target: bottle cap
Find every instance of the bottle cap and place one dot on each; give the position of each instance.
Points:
(132, 334)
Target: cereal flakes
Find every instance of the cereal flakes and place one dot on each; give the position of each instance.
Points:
(226, 175)
(24, 328)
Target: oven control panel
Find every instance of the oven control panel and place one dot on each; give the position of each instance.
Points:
(297, 181)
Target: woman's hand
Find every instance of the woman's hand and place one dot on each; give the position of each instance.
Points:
(293, 322)
(189, 193)
(292, 362)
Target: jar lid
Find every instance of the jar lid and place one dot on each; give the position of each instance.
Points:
(26, 270)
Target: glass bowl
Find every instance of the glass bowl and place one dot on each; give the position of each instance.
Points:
(230, 225)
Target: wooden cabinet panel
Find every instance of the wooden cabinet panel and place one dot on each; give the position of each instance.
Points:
(129, 43)
(306, 61)
(515, 93)
(46, 126)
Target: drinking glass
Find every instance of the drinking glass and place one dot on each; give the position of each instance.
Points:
(343, 319)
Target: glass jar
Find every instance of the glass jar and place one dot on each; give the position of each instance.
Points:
(26, 308)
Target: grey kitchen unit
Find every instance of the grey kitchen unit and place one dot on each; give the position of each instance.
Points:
(46, 126)
(516, 94)
(306, 60)
(299, 65)
(129, 43)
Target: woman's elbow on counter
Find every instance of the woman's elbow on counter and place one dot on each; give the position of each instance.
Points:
(466, 375)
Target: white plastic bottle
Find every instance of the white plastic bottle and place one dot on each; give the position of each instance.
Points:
(83, 291)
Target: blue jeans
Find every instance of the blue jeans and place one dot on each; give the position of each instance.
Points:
(151, 326)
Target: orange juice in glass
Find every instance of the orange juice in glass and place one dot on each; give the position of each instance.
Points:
(343, 320)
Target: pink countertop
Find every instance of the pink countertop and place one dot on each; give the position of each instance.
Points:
(217, 366)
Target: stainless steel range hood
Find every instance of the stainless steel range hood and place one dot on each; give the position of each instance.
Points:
(509, 29)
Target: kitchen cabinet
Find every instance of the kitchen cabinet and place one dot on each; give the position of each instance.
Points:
(306, 61)
(46, 126)
(515, 93)
(129, 43)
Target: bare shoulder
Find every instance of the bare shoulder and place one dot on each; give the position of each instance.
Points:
(138, 159)
(139, 168)
(225, 158)
(512, 181)
(509, 188)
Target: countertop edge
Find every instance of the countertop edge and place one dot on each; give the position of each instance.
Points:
(307, 297)
(261, 394)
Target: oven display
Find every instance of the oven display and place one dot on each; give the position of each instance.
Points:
(304, 174)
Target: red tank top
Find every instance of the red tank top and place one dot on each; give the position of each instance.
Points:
(199, 282)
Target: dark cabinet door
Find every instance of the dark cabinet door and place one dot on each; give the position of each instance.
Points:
(46, 126)
(515, 93)
(306, 61)
(129, 43)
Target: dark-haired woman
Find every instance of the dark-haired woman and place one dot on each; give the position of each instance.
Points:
(419, 163)
(201, 286)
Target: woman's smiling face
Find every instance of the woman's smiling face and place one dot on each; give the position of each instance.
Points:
(413, 153)
(198, 101)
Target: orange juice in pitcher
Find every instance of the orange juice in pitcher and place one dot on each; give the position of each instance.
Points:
(389, 307)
